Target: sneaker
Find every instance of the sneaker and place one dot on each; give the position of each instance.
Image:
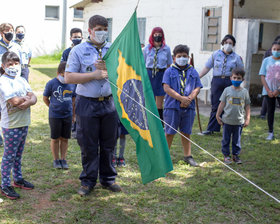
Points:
(9, 192)
(84, 190)
(227, 160)
(64, 164)
(23, 184)
(114, 162)
(121, 162)
(207, 132)
(189, 160)
(270, 136)
(114, 187)
(236, 159)
(57, 164)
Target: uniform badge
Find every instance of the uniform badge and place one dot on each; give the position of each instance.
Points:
(89, 69)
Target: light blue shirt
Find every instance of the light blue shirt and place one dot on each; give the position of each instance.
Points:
(164, 57)
(81, 59)
(25, 52)
(271, 70)
(223, 64)
(4, 47)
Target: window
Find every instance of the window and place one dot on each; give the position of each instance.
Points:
(52, 12)
(141, 22)
(78, 13)
(110, 23)
(211, 29)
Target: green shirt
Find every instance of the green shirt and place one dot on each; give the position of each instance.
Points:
(236, 101)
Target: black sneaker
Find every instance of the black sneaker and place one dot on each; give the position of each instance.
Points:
(189, 160)
(64, 164)
(121, 162)
(23, 184)
(113, 187)
(207, 132)
(9, 192)
(57, 164)
(236, 159)
(84, 190)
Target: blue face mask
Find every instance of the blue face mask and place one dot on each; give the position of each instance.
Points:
(236, 83)
(276, 54)
(20, 36)
(76, 41)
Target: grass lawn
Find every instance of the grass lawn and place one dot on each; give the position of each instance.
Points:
(210, 194)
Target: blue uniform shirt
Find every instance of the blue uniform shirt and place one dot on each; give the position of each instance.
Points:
(164, 57)
(172, 78)
(65, 54)
(223, 64)
(60, 98)
(25, 52)
(81, 59)
(4, 47)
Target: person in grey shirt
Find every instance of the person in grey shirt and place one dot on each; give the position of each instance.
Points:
(235, 102)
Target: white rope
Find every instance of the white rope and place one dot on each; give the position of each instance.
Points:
(204, 150)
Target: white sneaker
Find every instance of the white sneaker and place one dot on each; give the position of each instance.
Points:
(270, 136)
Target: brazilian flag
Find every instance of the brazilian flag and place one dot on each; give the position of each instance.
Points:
(132, 93)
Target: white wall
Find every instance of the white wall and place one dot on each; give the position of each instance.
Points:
(43, 36)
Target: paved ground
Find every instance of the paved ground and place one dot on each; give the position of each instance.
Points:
(205, 109)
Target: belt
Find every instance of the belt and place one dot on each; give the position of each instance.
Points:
(158, 69)
(222, 76)
(24, 66)
(102, 98)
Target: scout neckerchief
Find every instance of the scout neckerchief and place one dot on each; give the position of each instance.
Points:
(99, 49)
(182, 77)
(3, 44)
(155, 69)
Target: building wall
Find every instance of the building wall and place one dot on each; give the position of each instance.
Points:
(42, 35)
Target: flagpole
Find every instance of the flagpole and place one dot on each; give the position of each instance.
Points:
(137, 5)
(196, 101)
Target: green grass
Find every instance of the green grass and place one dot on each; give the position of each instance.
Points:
(210, 194)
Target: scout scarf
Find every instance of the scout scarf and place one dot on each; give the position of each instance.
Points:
(182, 77)
(155, 69)
(99, 49)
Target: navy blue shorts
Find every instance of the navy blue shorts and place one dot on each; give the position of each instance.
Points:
(182, 119)
(156, 82)
(60, 127)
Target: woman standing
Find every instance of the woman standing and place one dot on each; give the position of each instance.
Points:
(157, 57)
(223, 62)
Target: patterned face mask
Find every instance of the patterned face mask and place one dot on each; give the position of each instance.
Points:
(13, 71)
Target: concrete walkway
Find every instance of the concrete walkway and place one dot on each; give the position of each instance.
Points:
(205, 109)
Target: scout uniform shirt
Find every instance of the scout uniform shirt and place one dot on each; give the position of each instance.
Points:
(4, 47)
(25, 52)
(81, 59)
(223, 64)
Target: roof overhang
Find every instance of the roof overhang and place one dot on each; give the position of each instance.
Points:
(82, 4)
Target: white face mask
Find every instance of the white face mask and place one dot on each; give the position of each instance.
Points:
(228, 48)
(100, 36)
(61, 79)
(13, 71)
(182, 61)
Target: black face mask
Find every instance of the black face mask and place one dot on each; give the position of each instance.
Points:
(9, 36)
(157, 38)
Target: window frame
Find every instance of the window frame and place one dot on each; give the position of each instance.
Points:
(58, 12)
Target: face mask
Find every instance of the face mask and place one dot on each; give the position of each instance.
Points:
(76, 41)
(61, 79)
(13, 71)
(228, 48)
(182, 61)
(100, 36)
(157, 38)
(276, 54)
(20, 36)
(236, 83)
(9, 36)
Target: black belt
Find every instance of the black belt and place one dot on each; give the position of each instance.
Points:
(24, 66)
(102, 98)
(158, 69)
(222, 77)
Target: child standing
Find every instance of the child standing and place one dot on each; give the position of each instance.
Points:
(270, 76)
(120, 161)
(235, 102)
(16, 97)
(60, 98)
(182, 84)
